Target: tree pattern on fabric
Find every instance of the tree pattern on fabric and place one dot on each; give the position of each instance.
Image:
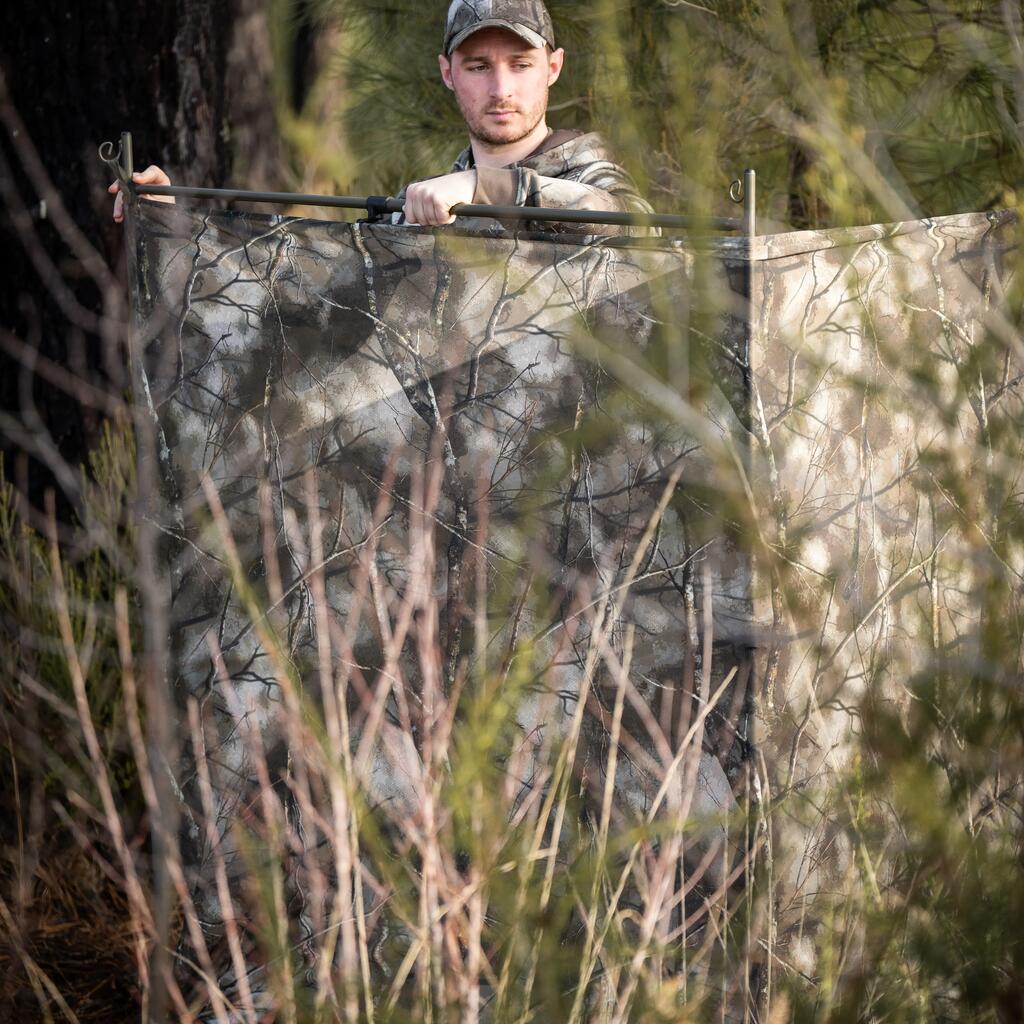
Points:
(592, 421)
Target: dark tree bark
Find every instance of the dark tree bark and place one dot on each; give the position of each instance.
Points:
(191, 80)
(256, 157)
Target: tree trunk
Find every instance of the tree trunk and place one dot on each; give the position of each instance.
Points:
(191, 79)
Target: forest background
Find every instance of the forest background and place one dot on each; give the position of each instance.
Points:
(851, 111)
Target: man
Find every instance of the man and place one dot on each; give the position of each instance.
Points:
(500, 60)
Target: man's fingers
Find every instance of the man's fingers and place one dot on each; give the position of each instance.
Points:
(413, 207)
(152, 175)
(419, 205)
(444, 214)
(430, 202)
(428, 213)
(426, 207)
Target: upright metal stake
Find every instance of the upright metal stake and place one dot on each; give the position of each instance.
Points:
(127, 160)
(751, 361)
(155, 600)
(750, 202)
(750, 231)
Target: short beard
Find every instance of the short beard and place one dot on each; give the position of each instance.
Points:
(481, 133)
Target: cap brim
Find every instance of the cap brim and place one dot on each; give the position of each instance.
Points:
(535, 39)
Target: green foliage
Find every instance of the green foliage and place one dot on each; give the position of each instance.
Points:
(93, 565)
(851, 112)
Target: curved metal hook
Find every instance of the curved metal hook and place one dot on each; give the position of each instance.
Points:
(118, 157)
(736, 190)
(110, 153)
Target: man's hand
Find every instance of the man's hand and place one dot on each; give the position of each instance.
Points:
(430, 202)
(152, 175)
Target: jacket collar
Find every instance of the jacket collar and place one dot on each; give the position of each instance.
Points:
(464, 161)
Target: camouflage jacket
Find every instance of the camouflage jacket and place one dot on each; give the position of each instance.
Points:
(569, 170)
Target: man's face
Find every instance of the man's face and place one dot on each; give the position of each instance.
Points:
(501, 84)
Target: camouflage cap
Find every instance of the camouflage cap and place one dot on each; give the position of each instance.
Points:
(528, 19)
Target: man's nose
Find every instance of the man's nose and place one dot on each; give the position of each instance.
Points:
(501, 84)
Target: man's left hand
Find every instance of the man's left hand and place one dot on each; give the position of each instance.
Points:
(430, 202)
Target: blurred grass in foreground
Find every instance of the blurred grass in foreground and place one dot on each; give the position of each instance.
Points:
(852, 113)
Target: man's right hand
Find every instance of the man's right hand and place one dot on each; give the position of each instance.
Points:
(152, 175)
(430, 202)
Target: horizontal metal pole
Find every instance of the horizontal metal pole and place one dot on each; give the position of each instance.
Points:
(285, 198)
(391, 205)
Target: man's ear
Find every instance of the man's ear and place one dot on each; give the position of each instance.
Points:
(555, 60)
(446, 70)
